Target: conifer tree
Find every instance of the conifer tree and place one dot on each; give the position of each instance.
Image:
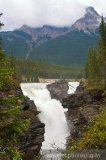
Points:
(96, 63)
(92, 67)
(1, 51)
(102, 51)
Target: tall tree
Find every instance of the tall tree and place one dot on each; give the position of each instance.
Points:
(96, 64)
(92, 67)
(102, 51)
(1, 51)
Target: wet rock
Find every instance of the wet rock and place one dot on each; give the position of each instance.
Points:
(58, 90)
(77, 100)
(31, 143)
(80, 88)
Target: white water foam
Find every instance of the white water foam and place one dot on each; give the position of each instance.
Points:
(72, 87)
(52, 115)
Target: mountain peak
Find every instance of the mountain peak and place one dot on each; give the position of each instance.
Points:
(89, 22)
(90, 10)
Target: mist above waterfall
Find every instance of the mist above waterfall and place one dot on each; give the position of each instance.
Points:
(52, 115)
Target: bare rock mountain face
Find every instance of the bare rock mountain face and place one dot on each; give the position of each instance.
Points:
(90, 21)
(43, 34)
(45, 31)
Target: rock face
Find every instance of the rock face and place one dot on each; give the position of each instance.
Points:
(82, 108)
(44, 31)
(58, 90)
(90, 21)
(31, 143)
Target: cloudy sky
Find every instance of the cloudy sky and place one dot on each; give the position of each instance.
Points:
(36, 13)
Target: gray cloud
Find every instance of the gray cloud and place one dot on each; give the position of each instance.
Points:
(36, 13)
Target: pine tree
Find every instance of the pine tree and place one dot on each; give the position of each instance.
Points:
(96, 63)
(102, 51)
(1, 51)
(92, 67)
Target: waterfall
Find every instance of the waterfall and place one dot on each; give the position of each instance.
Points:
(52, 115)
(72, 87)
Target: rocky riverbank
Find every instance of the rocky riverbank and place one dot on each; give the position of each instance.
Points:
(83, 107)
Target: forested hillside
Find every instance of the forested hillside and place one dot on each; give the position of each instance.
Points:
(31, 71)
(69, 50)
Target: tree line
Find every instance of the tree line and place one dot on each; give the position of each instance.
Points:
(96, 62)
(32, 70)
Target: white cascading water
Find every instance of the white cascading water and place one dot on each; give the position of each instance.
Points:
(52, 114)
(72, 87)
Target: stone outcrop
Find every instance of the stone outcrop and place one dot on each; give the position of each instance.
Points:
(58, 90)
(31, 143)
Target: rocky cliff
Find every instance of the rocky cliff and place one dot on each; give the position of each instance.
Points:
(82, 106)
(31, 143)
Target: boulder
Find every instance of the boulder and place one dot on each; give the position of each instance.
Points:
(58, 90)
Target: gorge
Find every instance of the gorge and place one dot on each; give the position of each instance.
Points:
(52, 113)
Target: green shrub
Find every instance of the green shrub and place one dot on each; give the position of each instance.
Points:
(9, 139)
